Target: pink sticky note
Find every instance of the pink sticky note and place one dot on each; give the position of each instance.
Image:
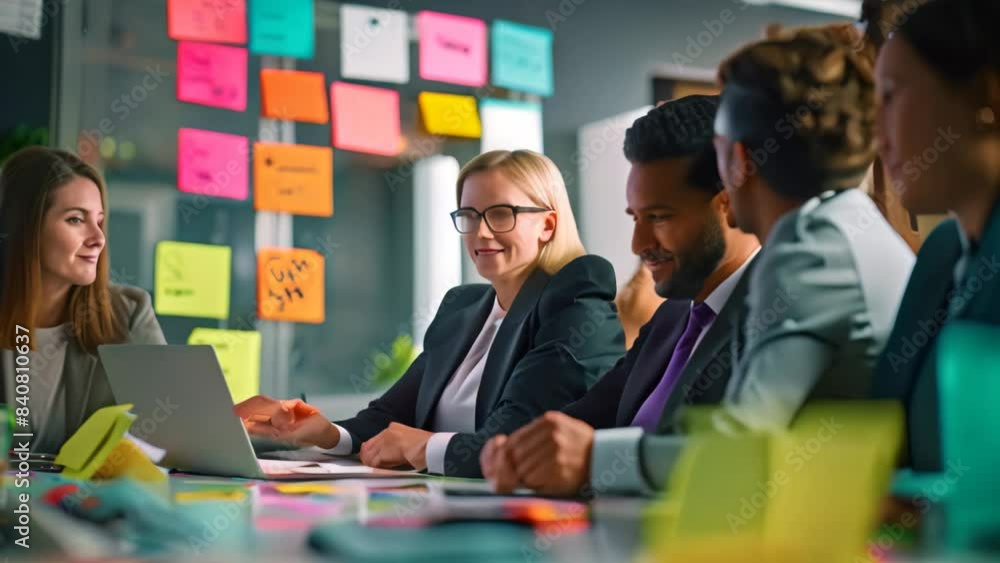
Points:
(212, 75)
(452, 48)
(222, 21)
(212, 164)
(365, 118)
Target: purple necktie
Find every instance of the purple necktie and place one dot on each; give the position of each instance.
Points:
(651, 410)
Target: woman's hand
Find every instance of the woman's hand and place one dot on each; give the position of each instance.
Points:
(397, 445)
(291, 421)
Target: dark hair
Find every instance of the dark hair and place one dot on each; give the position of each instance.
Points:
(809, 100)
(682, 128)
(956, 37)
(27, 181)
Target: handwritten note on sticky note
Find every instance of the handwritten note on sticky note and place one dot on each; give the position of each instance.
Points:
(283, 28)
(522, 57)
(365, 118)
(238, 352)
(511, 125)
(374, 44)
(296, 179)
(192, 280)
(212, 75)
(450, 114)
(293, 95)
(452, 48)
(212, 164)
(221, 21)
(290, 285)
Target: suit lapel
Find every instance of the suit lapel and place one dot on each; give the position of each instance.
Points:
(653, 358)
(507, 345)
(446, 356)
(983, 266)
(78, 373)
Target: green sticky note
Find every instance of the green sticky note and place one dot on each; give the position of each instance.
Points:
(283, 28)
(87, 449)
(192, 280)
(238, 352)
(522, 57)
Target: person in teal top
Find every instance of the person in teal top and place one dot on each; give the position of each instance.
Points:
(938, 80)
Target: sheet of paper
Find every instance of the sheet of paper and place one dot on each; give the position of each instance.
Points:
(296, 179)
(511, 125)
(522, 57)
(192, 280)
(365, 118)
(452, 48)
(283, 28)
(212, 164)
(374, 44)
(290, 285)
(238, 352)
(212, 75)
(450, 114)
(221, 21)
(293, 95)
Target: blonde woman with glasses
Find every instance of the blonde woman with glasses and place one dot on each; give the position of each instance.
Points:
(496, 355)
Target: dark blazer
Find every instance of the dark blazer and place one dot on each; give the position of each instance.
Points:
(559, 335)
(614, 401)
(907, 369)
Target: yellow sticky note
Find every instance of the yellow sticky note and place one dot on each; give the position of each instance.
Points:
(192, 280)
(226, 495)
(87, 449)
(450, 114)
(127, 460)
(238, 352)
(290, 285)
(305, 488)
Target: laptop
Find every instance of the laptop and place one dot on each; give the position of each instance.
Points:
(183, 406)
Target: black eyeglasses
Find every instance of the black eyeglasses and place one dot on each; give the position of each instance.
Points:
(499, 218)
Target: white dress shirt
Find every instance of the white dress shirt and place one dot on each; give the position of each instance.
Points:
(456, 409)
(720, 295)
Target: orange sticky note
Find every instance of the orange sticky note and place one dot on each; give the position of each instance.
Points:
(222, 21)
(365, 118)
(290, 285)
(293, 95)
(296, 179)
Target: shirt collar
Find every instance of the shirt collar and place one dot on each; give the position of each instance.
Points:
(720, 295)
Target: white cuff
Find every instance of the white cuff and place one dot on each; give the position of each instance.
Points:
(437, 446)
(345, 446)
(615, 467)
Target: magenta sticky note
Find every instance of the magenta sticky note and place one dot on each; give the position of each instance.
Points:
(212, 164)
(222, 21)
(365, 118)
(212, 75)
(452, 48)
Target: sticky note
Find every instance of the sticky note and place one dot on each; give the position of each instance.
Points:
(212, 164)
(220, 21)
(283, 28)
(449, 114)
(192, 280)
(511, 125)
(293, 95)
(521, 57)
(365, 118)
(212, 75)
(290, 285)
(305, 488)
(374, 44)
(226, 495)
(296, 179)
(238, 352)
(452, 48)
(87, 449)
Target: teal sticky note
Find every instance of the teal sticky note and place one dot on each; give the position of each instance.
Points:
(522, 57)
(283, 28)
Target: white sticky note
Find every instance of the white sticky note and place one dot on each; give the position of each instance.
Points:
(510, 125)
(374, 44)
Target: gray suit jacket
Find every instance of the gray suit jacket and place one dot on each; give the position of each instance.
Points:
(87, 387)
(822, 299)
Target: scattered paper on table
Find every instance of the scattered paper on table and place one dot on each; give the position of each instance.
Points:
(296, 179)
(212, 75)
(192, 280)
(452, 48)
(374, 44)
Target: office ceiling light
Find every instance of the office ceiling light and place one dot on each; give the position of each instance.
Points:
(846, 8)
